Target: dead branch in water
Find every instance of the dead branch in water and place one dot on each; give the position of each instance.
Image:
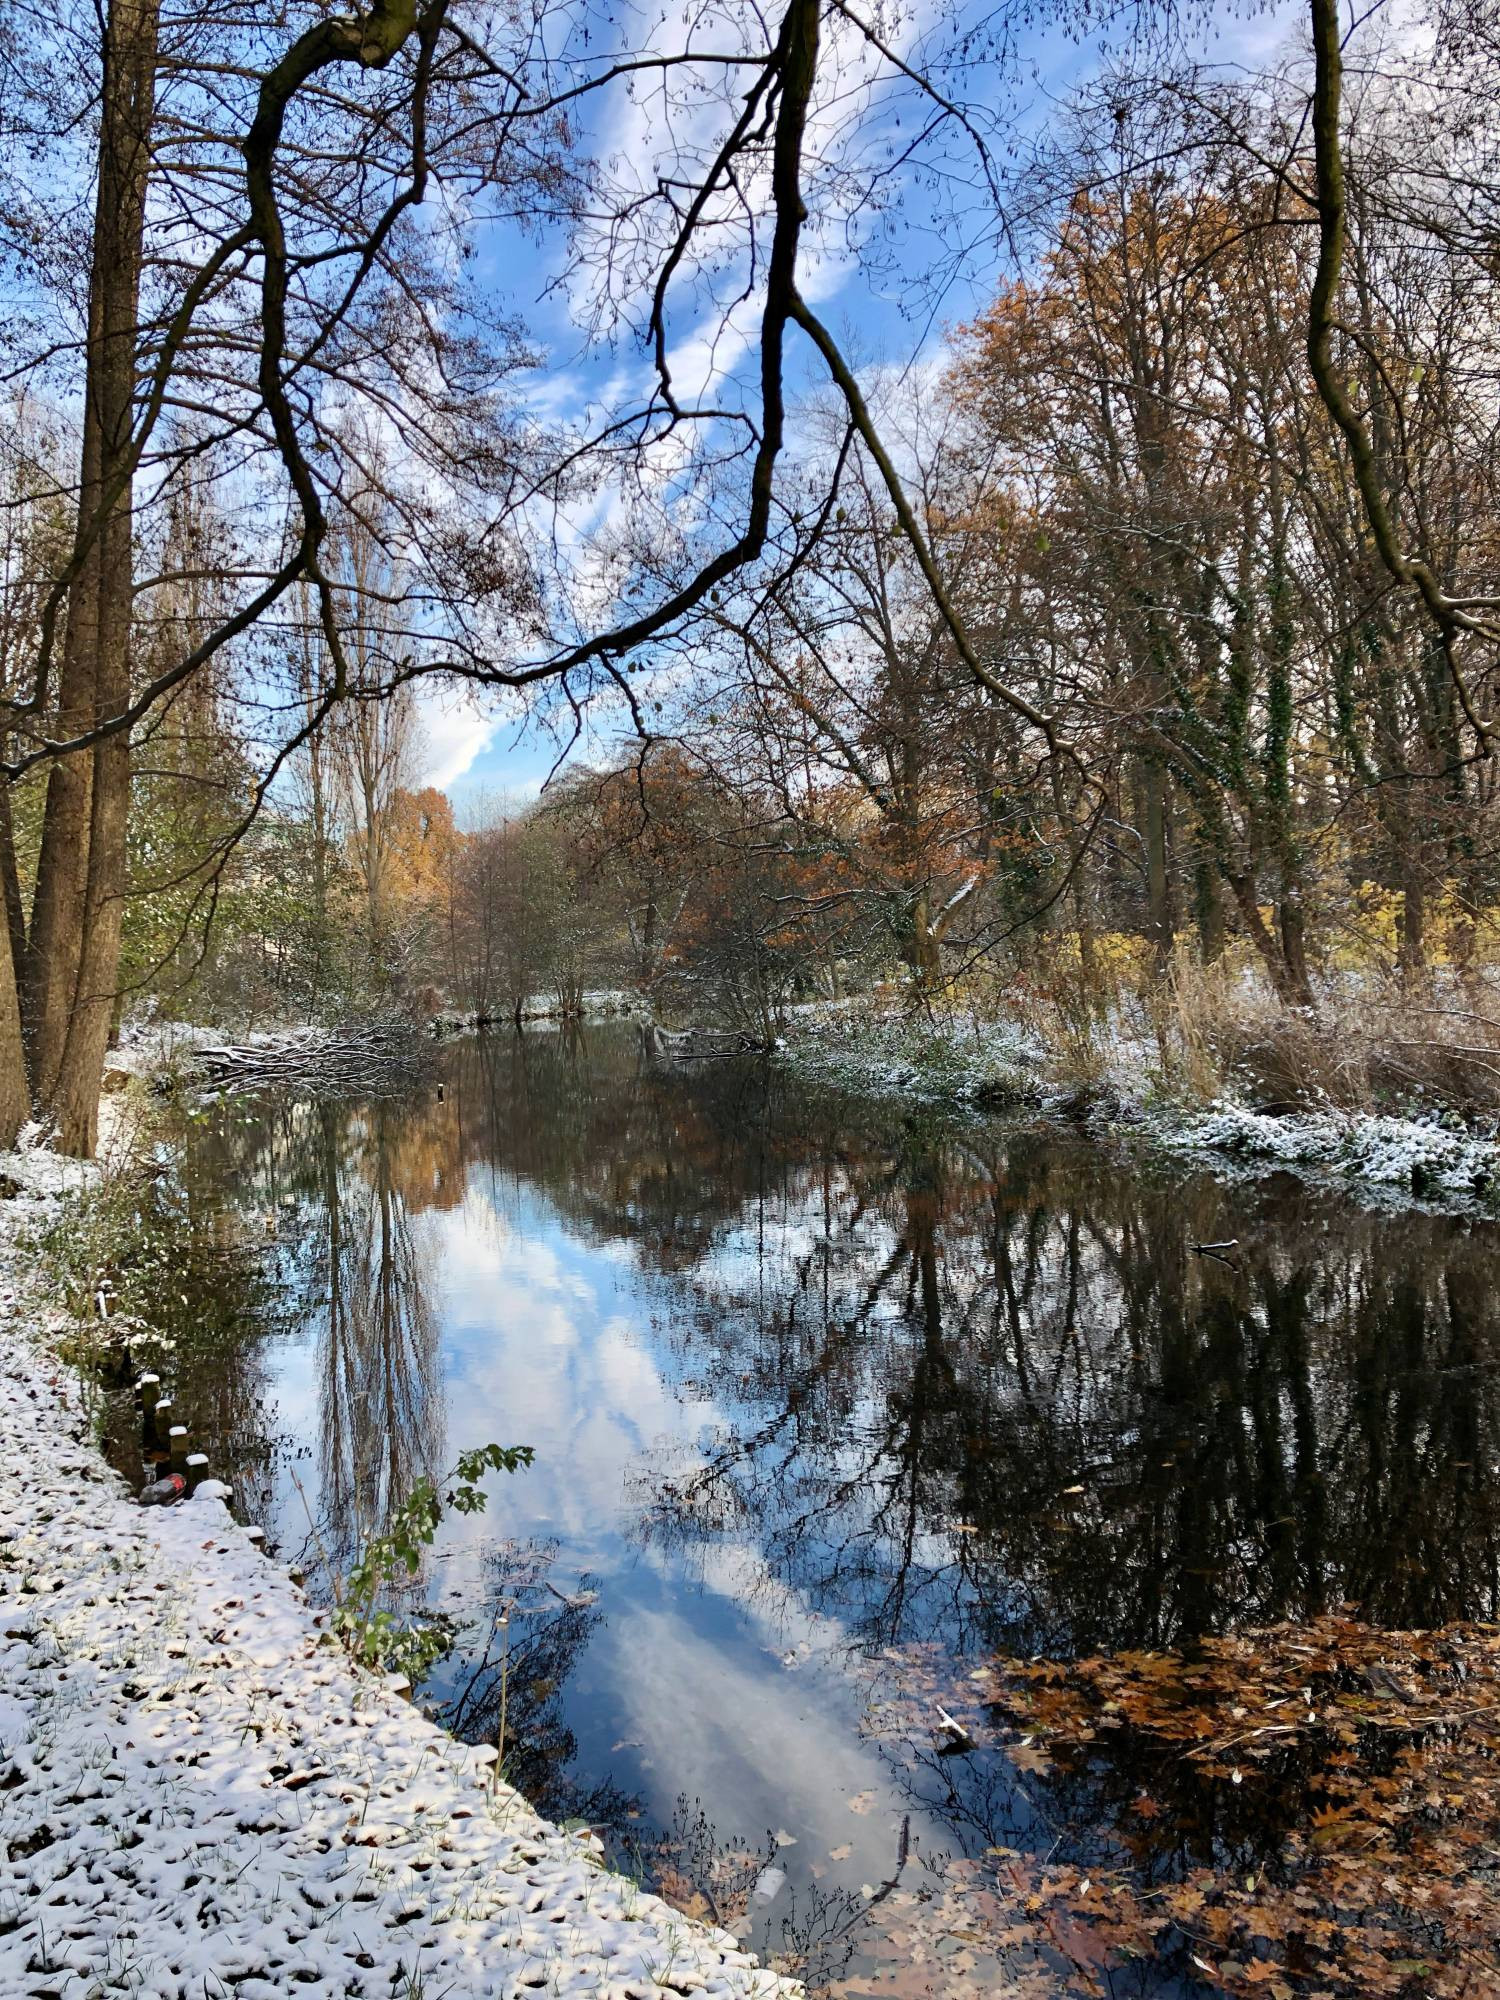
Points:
(369, 1057)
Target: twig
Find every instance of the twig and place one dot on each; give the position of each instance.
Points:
(317, 1540)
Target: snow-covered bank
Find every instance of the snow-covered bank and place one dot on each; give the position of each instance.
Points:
(1415, 1157)
(199, 1794)
(891, 1056)
(1375, 1156)
(151, 1045)
(598, 1004)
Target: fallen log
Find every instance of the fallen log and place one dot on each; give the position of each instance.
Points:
(705, 1044)
(363, 1057)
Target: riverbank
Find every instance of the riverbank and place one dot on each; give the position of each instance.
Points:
(1427, 1159)
(200, 1793)
(544, 1010)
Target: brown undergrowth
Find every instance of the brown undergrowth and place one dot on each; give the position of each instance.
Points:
(1365, 1046)
(1367, 1042)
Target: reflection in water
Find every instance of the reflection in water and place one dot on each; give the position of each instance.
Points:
(922, 1331)
(338, 1192)
(831, 1402)
(509, 1684)
(383, 1420)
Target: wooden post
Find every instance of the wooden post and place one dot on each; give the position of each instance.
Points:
(177, 1444)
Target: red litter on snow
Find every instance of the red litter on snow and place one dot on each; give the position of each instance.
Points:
(162, 1492)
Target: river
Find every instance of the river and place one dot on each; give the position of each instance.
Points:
(831, 1402)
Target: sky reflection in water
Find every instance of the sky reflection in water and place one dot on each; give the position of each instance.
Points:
(809, 1384)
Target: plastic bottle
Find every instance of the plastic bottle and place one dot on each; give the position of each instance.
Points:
(162, 1492)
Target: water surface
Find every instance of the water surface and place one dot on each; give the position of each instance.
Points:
(830, 1404)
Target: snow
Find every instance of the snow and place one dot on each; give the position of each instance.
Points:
(152, 1045)
(39, 1174)
(962, 893)
(599, 1003)
(32, 1172)
(201, 1795)
(890, 1056)
(1418, 1156)
(1415, 1161)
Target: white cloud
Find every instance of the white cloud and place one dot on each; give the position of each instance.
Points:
(454, 732)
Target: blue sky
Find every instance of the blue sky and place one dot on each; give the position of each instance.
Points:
(478, 751)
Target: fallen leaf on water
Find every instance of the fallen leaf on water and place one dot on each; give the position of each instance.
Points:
(861, 1802)
(841, 1853)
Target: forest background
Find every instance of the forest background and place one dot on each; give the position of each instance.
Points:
(1114, 656)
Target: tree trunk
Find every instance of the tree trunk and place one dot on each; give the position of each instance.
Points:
(15, 1097)
(1412, 954)
(320, 844)
(1284, 977)
(50, 968)
(1210, 913)
(15, 1091)
(15, 909)
(923, 952)
(75, 1103)
(649, 926)
(1158, 879)
(1293, 922)
(73, 961)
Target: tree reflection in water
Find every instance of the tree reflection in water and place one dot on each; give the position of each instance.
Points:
(990, 1394)
(515, 1661)
(380, 1384)
(968, 1389)
(340, 1190)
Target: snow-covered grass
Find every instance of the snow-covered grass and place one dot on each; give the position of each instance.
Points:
(201, 1795)
(890, 1055)
(36, 1174)
(1425, 1157)
(153, 1045)
(1416, 1156)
